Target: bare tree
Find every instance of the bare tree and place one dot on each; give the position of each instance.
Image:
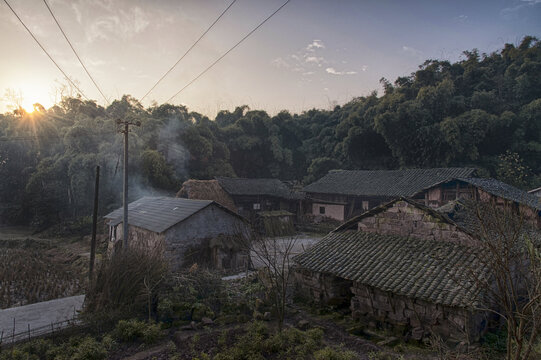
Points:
(509, 250)
(273, 256)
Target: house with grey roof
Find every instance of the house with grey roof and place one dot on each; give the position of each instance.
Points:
(252, 196)
(485, 190)
(342, 194)
(185, 231)
(401, 266)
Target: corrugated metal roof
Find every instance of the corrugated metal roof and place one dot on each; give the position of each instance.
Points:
(434, 271)
(158, 214)
(391, 183)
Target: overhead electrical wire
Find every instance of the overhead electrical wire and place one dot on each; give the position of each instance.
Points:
(228, 51)
(46, 52)
(187, 51)
(75, 52)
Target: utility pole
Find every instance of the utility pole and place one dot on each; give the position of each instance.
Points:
(124, 129)
(94, 225)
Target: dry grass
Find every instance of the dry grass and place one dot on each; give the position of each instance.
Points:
(29, 275)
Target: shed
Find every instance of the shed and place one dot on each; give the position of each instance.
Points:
(254, 195)
(412, 286)
(206, 190)
(342, 194)
(186, 231)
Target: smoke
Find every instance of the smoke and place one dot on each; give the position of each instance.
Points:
(171, 147)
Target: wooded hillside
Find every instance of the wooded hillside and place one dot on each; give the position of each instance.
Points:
(483, 111)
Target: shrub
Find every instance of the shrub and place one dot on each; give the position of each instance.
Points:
(329, 353)
(127, 282)
(133, 330)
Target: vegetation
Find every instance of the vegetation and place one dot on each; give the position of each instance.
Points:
(31, 272)
(482, 111)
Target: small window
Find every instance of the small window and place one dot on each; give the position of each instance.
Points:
(322, 210)
(365, 205)
(257, 206)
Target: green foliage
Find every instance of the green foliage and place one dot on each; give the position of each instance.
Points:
(136, 330)
(467, 113)
(332, 354)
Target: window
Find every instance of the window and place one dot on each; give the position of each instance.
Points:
(365, 205)
(322, 210)
(257, 206)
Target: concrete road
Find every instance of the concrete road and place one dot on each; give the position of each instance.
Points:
(39, 316)
(301, 243)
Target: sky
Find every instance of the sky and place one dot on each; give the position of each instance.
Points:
(313, 53)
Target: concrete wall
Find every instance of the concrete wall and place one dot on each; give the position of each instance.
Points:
(331, 210)
(404, 219)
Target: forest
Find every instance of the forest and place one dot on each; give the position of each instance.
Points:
(483, 111)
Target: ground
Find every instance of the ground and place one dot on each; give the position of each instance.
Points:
(36, 268)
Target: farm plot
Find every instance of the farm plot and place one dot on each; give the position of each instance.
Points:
(32, 275)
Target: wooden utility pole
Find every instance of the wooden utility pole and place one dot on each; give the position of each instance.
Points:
(124, 129)
(94, 226)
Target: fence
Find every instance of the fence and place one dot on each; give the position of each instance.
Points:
(10, 338)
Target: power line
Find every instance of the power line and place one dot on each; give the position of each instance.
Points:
(75, 52)
(187, 51)
(228, 51)
(37, 137)
(45, 51)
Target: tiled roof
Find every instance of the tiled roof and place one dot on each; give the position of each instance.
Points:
(390, 183)
(432, 271)
(158, 214)
(269, 187)
(505, 191)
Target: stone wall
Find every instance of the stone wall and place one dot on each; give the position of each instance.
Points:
(416, 319)
(404, 219)
(322, 288)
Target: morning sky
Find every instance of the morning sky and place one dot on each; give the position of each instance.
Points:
(310, 54)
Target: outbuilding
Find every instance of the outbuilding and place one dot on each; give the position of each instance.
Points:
(185, 231)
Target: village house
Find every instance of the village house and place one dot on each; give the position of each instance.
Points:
(247, 197)
(400, 266)
(484, 190)
(185, 231)
(342, 194)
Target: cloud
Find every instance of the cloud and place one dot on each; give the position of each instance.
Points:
(461, 18)
(308, 73)
(124, 24)
(364, 68)
(511, 13)
(280, 63)
(318, 60)
(316, 44)
(332, 71)
(412, 51)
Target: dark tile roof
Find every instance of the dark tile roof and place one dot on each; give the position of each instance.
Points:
(158, 214)
(391, 183)
(505, 191)
(269, 187)
(415, 268)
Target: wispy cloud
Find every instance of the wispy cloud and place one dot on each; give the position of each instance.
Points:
(332, 71)
(512, 13)
(124, 24)
(461, 19)
(412, 51)
(316, 44)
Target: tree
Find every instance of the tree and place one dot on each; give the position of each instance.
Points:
(510, 251)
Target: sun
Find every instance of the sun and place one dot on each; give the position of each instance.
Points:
(28, 106)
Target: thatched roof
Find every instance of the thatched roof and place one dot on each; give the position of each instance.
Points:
(206, 190)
